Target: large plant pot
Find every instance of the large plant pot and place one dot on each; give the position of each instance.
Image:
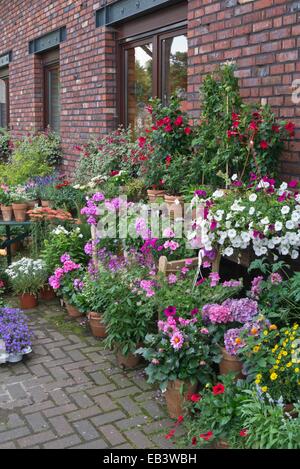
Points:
(20, 211)
(32, 204)
(45, 203)
(47, 293)
(28, 301)
(177, 393)
(7, 212)
(175, 205)
(72, 311)
(154, 195)
(127, 361)
(97, 325)
(229, 364)
(290, 409)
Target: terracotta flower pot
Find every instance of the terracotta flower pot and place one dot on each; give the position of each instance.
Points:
(7, 212)
(154, 195)
(47, 293)
(28, 301)
(177, 392)
(127, 361)
(175, 204)
(45, 203)
(96, 324)
(32, 204)
(290, 409)
(72, 311)
(229, 364)
(20, 211)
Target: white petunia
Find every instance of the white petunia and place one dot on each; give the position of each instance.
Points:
(231, 233)
(289, 225)
(218, 194)
(285, 209)
(251, 210)
(252, 197)
(295, 254)
(278, 226)
(265, 221)
(228, 251)
(234, 177)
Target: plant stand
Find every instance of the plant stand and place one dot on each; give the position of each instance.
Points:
(6, 245)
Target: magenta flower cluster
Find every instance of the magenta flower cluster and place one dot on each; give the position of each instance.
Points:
(242, 311)
(172, 328)
(67, 266)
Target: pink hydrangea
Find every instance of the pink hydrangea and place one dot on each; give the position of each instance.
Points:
(214, 279)
(172, 278)
(218, 314)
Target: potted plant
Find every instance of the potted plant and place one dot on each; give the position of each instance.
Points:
(19, 203)
(180, 358)
(94, 293)
(176, 175)
(5, 201)
(15, 335)
(224, 322)
(27, 277)
(128, 315)
(66, 281)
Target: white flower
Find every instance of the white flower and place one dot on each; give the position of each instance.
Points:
(278, 226)
(80, 235)
(284, 251)
(297, 198)
(218, 194)
(265, 221)
(295, 254)
(228, 251)
(290, 225)
(231, 233)
(228, 224)
(251, 210)
(282, 188)
(234, 177)
(285, 209)
(252, 197)
(295, 216)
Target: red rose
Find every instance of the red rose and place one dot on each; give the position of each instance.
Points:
(235, 116)
(141, 141)
(168, 128)
(178, 121)
(166, 120)
(264, 145)
(160, 123)
(187, 130)
(218, 389)
(244, 432)
(290, 128)
(253, 125)
(206, 436)
(195, 397)
(235, 124)
(276, 129)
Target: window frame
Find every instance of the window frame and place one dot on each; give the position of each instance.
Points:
(4, 76)
(50, 62)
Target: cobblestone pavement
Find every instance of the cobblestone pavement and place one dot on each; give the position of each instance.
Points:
(69, 393)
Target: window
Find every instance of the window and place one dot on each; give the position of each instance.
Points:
(4, 99)
(52, 91)
(153, 65)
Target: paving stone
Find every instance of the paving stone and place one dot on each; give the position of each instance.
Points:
(62, 443)
(32, 440)
(64, 409)
(138, 438)
(100, 420)
(37, 422)
(86, 430)
(98, 444)
(105, 402)
(16, 391)
(61, 425)
(84, 413)
(112, 435)
(82, 400)
(131, 422)
(12, 435)
(99, 378)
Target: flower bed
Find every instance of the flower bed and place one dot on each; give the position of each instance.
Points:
(15, 335)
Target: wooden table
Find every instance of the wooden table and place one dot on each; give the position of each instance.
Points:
(9, 240)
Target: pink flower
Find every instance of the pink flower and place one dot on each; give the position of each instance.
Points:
(54, 282)
(65, 257)
(69, 266)
(275, 278)
(177, 340)
(141, 141)
(218, 314)
(155, 361)
(188, 261)
(170, 311)
(187, 130)
(204, 330)
(194, 311)
(293, 183)
(213, 225)
(172, 245)
(206, 265)
(172, 278)
(214, 279)
(184, 270)
(178, 121)
(168, 233)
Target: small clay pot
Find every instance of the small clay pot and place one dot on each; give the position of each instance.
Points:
(32, 204)
(28, 301)
(229, 364)
(290, 409)
(97, 325)
(45, 203)
(127, 361)
(72, 311)
(175, 205)
(20, 211)
(176, 394)
(154, 195)
(47, 293)
(7, 212)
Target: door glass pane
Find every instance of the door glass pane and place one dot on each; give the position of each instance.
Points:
(139, 84)
(3, 104)
(174, 67)
(54, 99)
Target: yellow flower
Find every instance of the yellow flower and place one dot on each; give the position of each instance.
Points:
(273, 327)
(284, 353)
(257, 381)
(274, 376)
(259, 376)
(295, 327)
(275, 367)
(265, 332)
(264, 388)
(256, 349)
(286, 332)
(289, 364)
(297, 370)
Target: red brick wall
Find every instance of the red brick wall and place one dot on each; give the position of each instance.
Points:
(87, 64)
(262, 36)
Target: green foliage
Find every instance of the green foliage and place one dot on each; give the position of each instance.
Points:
(27, 275)
(5, 146)
(61, 241)
(129, 314)
(32, 156)
(135, 190)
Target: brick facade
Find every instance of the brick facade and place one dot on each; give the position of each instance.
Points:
(263, 36)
